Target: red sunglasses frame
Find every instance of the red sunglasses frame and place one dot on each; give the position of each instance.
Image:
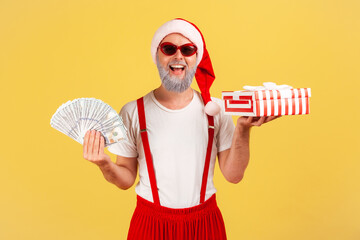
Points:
(178, 47)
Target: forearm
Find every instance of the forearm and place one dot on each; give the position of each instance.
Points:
(118, 175)
(238, 158)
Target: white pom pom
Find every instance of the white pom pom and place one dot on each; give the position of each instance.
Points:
(212, 108)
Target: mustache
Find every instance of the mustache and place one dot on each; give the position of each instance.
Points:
(177, 62)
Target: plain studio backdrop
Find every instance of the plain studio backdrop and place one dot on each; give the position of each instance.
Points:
(303, 179)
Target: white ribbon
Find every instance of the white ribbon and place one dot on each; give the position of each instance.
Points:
(267, 86)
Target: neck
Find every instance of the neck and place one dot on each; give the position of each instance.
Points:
(173, 100)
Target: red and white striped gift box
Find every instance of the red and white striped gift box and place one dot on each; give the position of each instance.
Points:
(294, 101)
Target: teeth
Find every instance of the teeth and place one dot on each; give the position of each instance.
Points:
(177, 66)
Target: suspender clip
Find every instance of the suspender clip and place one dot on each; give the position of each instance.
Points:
(211, 127)
(143, 130)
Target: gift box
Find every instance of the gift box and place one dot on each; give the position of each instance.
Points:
(267, 100)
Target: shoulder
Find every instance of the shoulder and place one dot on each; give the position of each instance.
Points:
(130, 108)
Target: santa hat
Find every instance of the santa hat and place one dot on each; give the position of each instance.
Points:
(204, 73)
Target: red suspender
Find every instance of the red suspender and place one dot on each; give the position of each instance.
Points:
(149, 161)
(207, 159)
(148, 157)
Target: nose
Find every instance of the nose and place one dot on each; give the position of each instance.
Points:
(178, 55)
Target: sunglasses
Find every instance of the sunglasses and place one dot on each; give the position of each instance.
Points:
(186, 50)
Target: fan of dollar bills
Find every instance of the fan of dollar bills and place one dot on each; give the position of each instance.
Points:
(74, 118)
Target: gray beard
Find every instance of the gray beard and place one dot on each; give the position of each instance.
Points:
(173, 83)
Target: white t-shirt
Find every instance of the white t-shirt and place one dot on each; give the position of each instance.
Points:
(178, 142)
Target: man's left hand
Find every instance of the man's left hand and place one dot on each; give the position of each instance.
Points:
(248, 122)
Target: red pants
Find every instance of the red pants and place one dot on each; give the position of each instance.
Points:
(153, 222)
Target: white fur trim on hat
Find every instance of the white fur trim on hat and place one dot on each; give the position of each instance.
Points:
(182, 27)
(212, 108)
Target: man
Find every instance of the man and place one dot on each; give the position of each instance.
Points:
(175, 140)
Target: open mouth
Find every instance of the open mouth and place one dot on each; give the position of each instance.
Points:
(177, 68)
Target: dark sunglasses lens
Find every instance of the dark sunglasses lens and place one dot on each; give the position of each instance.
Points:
(188, 50)
(168, 49)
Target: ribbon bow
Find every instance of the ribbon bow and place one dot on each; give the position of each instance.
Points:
(267, 86)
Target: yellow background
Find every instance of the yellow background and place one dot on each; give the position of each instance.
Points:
(303, 179)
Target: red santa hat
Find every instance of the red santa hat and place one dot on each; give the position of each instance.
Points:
(204, 73)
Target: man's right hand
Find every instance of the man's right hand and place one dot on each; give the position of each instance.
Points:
(122, 173)
(93, 148)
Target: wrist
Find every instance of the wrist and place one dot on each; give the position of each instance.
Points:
(242, 129)
(103, 163)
